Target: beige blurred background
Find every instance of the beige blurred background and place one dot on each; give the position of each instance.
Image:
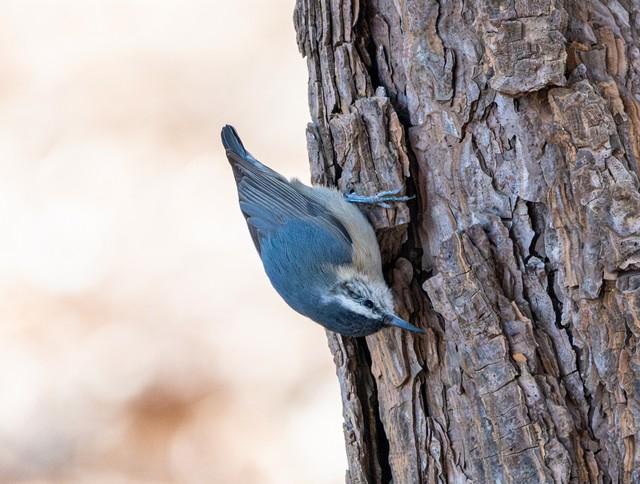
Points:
(140, 341)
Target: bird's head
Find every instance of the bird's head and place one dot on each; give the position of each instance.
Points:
(362, 305)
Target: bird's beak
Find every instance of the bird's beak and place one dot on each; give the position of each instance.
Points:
(394, 320)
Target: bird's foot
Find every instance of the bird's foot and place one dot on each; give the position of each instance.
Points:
(381, 199)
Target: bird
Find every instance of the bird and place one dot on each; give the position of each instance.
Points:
(318, 249)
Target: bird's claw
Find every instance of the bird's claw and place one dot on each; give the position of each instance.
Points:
(381, 199)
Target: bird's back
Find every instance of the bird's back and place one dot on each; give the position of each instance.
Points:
(366, 253)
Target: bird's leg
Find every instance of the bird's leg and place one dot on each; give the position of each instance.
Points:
(382, 199)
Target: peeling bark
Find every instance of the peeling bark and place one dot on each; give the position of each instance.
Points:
(515, 123)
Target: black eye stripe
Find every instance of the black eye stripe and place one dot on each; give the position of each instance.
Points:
(351, 291)
(357, 293)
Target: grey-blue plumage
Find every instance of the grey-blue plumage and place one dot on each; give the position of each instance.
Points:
(318, 250)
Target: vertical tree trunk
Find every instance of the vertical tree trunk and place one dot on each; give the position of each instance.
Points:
(515, 123)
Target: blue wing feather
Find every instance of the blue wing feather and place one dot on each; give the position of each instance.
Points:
(301, 256)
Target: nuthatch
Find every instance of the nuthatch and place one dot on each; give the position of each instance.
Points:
(318, 250)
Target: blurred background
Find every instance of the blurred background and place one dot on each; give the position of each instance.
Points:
(140, 341)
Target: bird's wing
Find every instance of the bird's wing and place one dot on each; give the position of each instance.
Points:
(300, 257)
(268, 201)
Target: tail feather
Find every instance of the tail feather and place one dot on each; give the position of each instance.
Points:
(232, 142)
(241, 160)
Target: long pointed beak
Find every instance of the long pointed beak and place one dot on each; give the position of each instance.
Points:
(401, 323)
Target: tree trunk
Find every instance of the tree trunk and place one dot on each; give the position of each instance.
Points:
(515, 123)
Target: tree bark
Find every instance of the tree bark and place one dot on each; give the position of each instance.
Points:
(515, 123)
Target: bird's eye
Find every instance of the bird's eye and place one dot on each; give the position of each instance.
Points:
(368, 303)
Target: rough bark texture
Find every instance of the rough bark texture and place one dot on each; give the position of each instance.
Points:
(515, 123)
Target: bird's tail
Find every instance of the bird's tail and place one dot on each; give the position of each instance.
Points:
(241, 160)
(232, 142)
